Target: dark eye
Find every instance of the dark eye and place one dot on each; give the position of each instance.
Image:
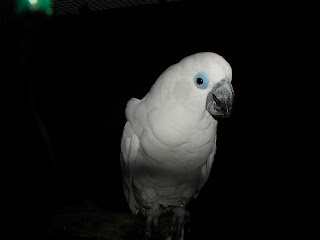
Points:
(201, 80)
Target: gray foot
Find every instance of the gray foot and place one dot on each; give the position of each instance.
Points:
(153, 215)
(178, 221)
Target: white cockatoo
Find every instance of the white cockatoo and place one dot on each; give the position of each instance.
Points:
(169, 139)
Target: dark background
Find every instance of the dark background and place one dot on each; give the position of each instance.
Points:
(72, 76)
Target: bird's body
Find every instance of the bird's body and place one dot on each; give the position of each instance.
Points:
(172, 174)
(169, 140)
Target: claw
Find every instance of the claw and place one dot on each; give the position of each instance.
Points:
(152, 220)
(177, 223)
(176, 232)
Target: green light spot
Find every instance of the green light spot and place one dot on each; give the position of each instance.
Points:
(43, 6)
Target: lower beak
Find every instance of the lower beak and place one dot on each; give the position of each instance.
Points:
(220, 99)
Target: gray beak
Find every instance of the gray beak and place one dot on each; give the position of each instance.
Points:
(220, 99)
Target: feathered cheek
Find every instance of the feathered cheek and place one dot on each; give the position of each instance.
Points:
(181, 90)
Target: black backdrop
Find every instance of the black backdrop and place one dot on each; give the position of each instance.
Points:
(79, 72)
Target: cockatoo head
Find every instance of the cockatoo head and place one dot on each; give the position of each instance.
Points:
(201, 82)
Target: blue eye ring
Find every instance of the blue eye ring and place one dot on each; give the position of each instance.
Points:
(201, 80)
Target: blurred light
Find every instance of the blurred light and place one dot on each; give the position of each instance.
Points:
(43, 6)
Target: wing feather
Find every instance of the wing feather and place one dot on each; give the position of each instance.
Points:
(129, 150)
(206, 169)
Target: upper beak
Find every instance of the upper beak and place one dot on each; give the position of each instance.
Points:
(220, 99)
